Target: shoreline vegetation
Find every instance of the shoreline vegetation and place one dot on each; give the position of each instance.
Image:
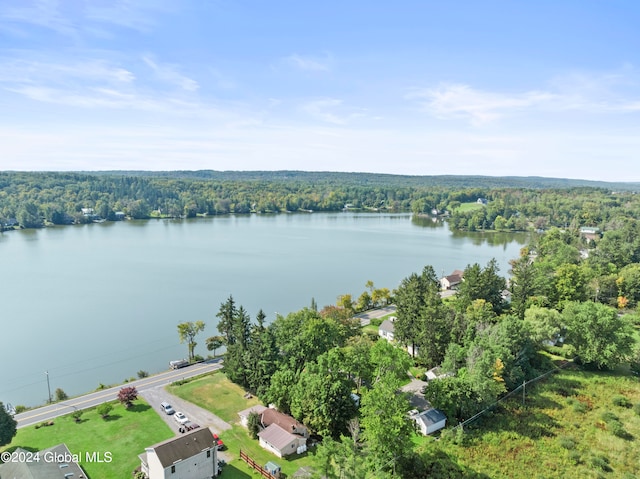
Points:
(469, 203)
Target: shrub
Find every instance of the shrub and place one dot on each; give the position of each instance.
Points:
(636, 408)
(601, 462)
(61, 395)
(76, 416)
(575, 457)
(143, 374)
(104, 410)
(567, 442)
(617, 429)
(608, 416)
(621, 401)
(580, 407)
(20, 408)
(127, 395)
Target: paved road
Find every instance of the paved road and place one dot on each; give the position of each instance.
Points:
(365, 318)
(46, 413)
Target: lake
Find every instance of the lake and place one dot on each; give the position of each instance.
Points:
(95, 303)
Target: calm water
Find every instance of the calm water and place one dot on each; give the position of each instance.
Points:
(96, 303)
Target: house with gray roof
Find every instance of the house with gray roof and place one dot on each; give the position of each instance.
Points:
(56, 462)
(189, 456)
(280, 442)
(428, 421)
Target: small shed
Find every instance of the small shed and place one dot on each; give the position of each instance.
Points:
(429, 421)
(272, 468)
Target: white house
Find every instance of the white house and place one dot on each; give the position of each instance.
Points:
(386, 329)
(190, 456)
(280, 442)
(452, 281)
(428, 421)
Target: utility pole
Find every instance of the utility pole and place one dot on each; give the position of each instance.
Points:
(48, 386)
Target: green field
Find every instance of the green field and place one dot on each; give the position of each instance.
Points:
(472, 206)
(566, 429)
(124, 434)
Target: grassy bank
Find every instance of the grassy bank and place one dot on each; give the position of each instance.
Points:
(124, 434)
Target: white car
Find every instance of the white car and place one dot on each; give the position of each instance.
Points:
(180, 418)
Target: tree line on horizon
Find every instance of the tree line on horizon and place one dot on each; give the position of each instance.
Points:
(33, 200)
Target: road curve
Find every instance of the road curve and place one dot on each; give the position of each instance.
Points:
(51, 411)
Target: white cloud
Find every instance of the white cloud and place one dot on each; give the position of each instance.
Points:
(331, 110)
(479, 107)
(594, 93)
(40, 13)
(170, 74)
(308, 63)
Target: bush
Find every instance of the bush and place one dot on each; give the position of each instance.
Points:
(621, 401)
(636, 408)
(608, 417)
(104, 410)
(142, 374)
(61, 395)
(617, 429)
(580, 407)
(20, 408)
(567, 442)
(575, 457)
(601, 462)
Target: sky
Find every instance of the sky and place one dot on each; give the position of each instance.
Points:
(498, 88)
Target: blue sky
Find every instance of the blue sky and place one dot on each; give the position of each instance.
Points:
(545, 88)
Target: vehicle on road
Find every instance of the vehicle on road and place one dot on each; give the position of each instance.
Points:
(180, 418)
(219, 444)
(181, 363)
(167, 408)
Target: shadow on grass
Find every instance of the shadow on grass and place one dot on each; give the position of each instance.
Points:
(112, 417)
(139, 408)
(231, 472)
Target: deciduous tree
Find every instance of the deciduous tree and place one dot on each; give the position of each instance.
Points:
(187, 332)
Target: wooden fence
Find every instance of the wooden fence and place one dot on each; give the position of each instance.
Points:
(263, 472)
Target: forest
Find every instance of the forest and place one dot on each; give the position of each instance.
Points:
(38, 199)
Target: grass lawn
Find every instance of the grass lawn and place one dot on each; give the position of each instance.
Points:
(565, 430)
(225, 399)
(472, 206)
(217, 394)
(125, 435)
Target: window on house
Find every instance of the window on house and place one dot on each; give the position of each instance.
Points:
(173, 469)
(209, 453)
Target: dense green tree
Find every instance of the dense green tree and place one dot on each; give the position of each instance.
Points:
(321, 399)
(226, 319)
(543, 324)
(8, 426)
(482, 283)
(387, 429)
(522, 282)
(187, 332)
(28, 215)
(422, 320)
(599, 335)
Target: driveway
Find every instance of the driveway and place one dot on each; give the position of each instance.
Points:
(366, 317)
(416, 398)
(195, 414)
